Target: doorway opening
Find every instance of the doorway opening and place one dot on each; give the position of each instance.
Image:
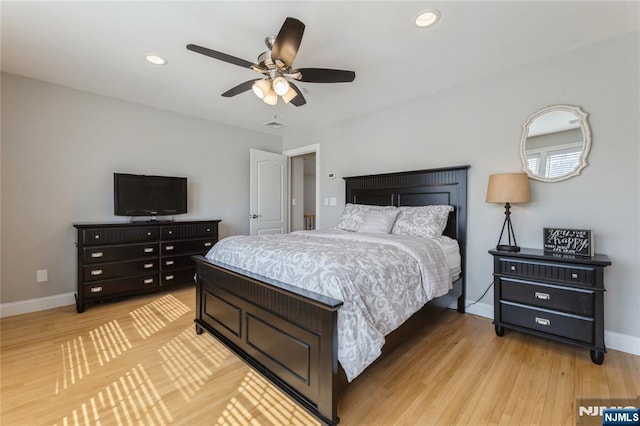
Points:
(303, 188)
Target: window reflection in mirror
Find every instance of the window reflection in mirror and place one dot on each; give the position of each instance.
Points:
(555, 143)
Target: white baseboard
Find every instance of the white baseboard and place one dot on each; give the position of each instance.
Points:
(35, 305)
(613, 340)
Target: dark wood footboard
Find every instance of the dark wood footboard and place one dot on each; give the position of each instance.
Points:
(287, 334)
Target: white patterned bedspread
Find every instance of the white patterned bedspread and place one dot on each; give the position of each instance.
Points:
(382, 279)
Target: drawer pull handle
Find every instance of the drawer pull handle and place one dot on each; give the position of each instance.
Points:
(207, 244)
(168, 277)
(97, 237)
(96, 254)
(574, 276)
(148, 281)
(148, 250)
(148, 265)
(169, 248)
(543, 296)
(96, 289)
(543, 321)
(208, 229)
(170, 232)
(513, 267)
(96, 272)
(149, 234)
(169, 262)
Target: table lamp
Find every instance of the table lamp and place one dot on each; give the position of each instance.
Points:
(508, 188)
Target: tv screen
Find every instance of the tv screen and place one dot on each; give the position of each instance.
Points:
(140, 195)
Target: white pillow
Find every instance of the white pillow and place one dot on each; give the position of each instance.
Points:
(378, 221)
(423, 221)
(353, 215)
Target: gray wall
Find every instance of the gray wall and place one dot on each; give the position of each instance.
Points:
(60, 148)
(480, 124)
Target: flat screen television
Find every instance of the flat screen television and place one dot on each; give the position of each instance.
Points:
(141, 195)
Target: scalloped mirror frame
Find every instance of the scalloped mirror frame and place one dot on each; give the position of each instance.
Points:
(586, 133)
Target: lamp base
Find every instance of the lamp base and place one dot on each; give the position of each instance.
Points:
(513, 249)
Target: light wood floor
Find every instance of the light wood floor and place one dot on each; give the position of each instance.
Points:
(139, 361)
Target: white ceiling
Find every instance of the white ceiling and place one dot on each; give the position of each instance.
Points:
(99, 47)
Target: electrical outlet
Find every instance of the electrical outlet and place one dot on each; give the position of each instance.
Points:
(42, 275)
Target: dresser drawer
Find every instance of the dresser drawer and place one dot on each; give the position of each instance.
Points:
(183, 247)
(177, 277)
(565, 299)
(91, 255)
(177, 262)
(106, 271)
(99, 289)
(117, 235)
(547, 271)
(184, 232)
(554, 323)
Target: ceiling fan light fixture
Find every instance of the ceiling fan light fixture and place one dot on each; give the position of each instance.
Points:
(287, 97)
(270, 98)
(426, 18)
(280, 85)
(261, 88)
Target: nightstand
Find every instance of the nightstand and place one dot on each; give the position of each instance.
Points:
(557, 296)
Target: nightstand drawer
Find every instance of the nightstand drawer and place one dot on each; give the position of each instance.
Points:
(576, 301)
(554, 323)
(547, 271)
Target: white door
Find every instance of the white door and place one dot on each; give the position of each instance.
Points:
(268, 193)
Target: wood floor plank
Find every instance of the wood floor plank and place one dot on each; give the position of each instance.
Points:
(139, 361)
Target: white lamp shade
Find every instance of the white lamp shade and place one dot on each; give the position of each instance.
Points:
(280, 85)
(261, 88)
(270, 98)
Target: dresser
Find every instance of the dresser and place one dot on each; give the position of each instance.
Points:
(557, 296)
(121, 259)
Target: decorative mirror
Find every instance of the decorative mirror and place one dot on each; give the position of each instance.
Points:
(555, 143)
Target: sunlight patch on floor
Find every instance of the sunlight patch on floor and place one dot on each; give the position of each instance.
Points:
(189, 360)
(74, 364)
(258, 396)
(154, 316)
(131, 399)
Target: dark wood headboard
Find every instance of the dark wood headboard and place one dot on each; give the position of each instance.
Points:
(418, 188)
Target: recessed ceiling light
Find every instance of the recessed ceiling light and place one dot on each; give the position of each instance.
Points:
(427, 18)
(156, 60)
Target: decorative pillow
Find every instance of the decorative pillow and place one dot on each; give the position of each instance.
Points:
(353, 215)
(423, 221)
(378, 221)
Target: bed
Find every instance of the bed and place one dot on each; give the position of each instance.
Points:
(290, 334)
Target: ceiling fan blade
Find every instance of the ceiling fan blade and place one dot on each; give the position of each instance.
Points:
(299, 100)
(324, 75)
(240, 88)
(288, 41)
(220, 56)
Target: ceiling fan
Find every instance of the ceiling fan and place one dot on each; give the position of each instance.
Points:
(276, 65)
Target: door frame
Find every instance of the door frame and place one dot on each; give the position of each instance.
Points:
(308, 149)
